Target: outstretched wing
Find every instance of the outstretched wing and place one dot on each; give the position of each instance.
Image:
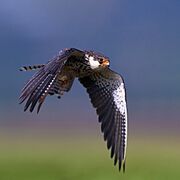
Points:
(107, 93)
(44, 81)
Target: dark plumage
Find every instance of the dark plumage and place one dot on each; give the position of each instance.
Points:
(104, 86)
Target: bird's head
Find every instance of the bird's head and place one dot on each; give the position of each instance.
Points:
(96, 60)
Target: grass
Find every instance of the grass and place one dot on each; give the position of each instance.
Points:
(23, 158)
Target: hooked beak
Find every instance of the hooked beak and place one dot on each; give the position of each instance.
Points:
(105, 62)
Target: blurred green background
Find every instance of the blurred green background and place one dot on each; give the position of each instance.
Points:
(44, 154)
(142, 40)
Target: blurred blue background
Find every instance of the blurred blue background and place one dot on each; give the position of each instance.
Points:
(141, 38)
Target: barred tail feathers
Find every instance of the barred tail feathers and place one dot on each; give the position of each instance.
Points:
(30, 68)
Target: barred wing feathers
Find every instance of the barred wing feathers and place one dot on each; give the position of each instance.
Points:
(44, 81)
(107, 94)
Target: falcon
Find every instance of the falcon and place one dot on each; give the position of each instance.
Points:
(105, 87)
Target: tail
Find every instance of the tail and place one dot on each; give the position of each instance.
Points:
(30, 68)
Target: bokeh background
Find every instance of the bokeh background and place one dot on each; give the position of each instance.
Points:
(142, 39)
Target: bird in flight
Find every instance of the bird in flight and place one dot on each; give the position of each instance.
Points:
(105, 87)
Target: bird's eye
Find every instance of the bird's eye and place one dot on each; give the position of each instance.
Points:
(101, 60)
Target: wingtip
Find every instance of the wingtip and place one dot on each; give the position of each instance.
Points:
(39, 107)
(25, 109)
(124, 166)
(21, 99)
(119, 165)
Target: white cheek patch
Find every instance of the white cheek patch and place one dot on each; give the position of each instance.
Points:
(94, 64)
